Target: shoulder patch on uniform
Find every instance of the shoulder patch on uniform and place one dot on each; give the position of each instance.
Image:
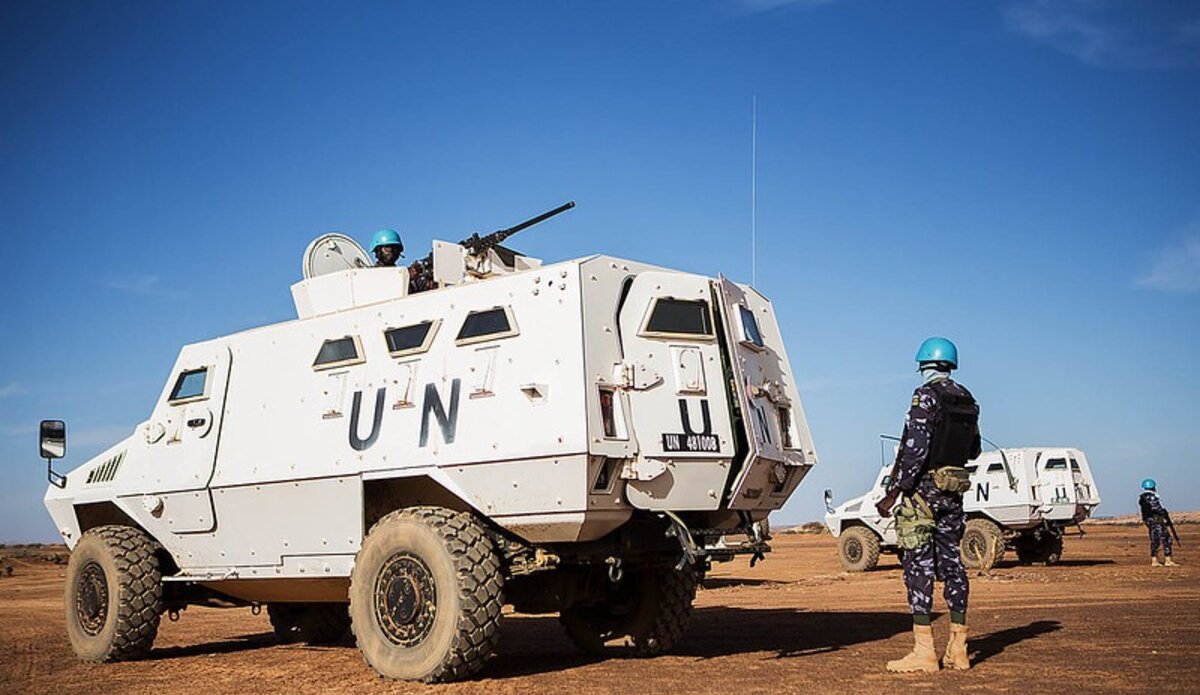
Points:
(916, 400)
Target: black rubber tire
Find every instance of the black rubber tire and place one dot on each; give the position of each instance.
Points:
(462, 570)
(311, 623)
(858, 549)
(113, 597)
(1047, 549)
(982, 545)
(645, 614)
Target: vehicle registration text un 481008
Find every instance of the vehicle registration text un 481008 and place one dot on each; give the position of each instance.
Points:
(691, 442)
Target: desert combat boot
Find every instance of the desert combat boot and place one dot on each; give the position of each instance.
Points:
(1170, 562)
(922, 657)
(1154, 562)
(956, 658)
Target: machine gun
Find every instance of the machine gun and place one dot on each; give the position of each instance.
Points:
(420, 272)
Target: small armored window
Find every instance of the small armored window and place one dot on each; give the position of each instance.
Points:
(1056, 465)
(410, 340)
(1075, 465)
(338, 352)
(488, 324)
(189, 386)
(995, 467)
(679, 318)
(972, 468)
(750, 333)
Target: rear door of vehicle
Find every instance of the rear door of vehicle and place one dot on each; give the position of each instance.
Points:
(1057, 484)
(677, 397)
(778, 444)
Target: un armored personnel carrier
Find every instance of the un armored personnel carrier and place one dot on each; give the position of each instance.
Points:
(582, 438)
(1020, 499)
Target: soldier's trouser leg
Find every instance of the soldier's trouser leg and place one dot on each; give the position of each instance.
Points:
(1166, 541)
(1156, 538)
(948, 567)
(918, 580)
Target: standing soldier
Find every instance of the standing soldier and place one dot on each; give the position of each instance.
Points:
(941, 433)
(1156, 518)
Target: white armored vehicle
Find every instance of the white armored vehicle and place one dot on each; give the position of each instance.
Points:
(582, 438)
(1020, 499)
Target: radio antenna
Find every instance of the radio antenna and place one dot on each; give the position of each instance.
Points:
(754, 190)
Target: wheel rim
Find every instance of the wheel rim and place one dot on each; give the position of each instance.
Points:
(854, 551)
(405, 600)
(91, 599)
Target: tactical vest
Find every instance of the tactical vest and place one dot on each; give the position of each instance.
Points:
(955, 437)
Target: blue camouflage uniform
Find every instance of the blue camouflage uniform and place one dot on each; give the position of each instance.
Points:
(939, 559)
(1155, 516)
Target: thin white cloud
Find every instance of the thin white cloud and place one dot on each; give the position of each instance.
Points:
(1112, 34)
(1175, 266)
(9, 390)
(760, 6)
(148, 285)
(18, 431)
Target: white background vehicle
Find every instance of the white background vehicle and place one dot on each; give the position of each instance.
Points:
(581, 438)
(1020, 499)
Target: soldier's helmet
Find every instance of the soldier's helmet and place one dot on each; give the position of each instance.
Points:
(386, 237)
(938, 350)
(1149, 485)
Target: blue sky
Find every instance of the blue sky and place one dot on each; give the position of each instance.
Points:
(1022, 176)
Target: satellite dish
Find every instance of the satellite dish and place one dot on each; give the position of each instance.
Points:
(330, 253)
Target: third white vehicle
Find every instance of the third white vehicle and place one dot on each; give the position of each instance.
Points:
(1020, 499)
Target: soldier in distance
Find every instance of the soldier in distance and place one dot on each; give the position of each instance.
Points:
(941, 433)
(1158, 521)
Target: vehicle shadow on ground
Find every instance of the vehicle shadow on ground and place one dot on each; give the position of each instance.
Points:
(986, 646)
(726, 582)
(534, 645)
(240, 643)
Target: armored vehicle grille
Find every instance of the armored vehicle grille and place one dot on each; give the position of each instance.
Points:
(106, 471)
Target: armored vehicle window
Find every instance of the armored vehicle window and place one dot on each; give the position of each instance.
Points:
(488, 324)
(972, 468)
(679, 317)
(409, 340)
(995, 467)
(1074, 465)
(750, 332)
(1056, 465)
(189, 385)
(337, 352)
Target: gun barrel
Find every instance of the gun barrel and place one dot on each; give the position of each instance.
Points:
(500, 235)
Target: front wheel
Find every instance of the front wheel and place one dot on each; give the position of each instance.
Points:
(425, 595)
(644, 614)
(113, 594)
(858, 549)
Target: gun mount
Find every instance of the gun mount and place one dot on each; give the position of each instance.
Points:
(475, 257)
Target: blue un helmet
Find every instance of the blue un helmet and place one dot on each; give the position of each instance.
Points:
(938, 350)
(387, 237)
(1149, 485)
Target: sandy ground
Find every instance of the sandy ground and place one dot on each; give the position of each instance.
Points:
(1102, 621)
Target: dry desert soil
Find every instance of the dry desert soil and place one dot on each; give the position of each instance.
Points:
(1101, 621)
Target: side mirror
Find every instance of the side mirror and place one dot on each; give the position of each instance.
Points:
(52, 443)
(829, 501)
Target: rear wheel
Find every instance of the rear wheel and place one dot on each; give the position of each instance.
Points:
(644, 614)
(1047, 548)
(113, 594)
(982, 545)
(858, 549)
(425, 595)
(312, 623)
